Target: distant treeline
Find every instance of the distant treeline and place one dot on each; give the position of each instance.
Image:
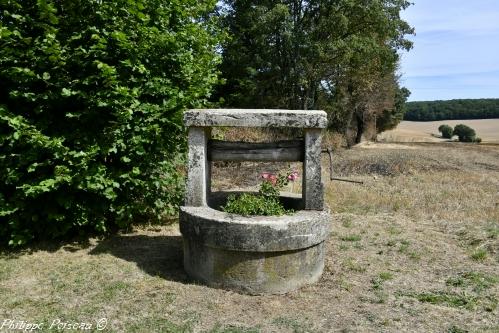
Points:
(453, 109)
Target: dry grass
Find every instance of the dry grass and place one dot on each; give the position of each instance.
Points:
(414, 249)
(427, 131)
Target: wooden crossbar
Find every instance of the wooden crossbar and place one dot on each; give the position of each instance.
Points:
(280, 151)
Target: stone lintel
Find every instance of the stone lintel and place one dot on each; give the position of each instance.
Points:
(255, 118)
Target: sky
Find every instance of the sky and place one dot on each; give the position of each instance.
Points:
(456, 50)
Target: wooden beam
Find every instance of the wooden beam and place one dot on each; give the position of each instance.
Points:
(283, 151)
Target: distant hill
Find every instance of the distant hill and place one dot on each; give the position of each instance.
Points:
(486, 108)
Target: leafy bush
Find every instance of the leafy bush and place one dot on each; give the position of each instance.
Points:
(465, 133)
(266, 202)
(447, 131)
(91, 100)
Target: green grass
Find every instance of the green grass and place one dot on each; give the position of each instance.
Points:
(445, 298)
(391, 243)
(115, 289)
(394, 230)
(380, 297)
(347, 223)
(385, 276)
(160, 325)
(478, 281)
(5, 269)
(405, 249)
(354, 266)
(492, 231)
(479, 254)
(377, 287)
(404, 246)
(344, 247)
(351, 238)
(376, 283)
(456, 329)
(233, 329)
(294, 325)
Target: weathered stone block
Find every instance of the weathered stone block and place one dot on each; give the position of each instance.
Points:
(198, 167)
(253, 273)
(256, 118)
(313, 193)
(218, 229)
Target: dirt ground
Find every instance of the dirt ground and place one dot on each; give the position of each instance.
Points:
(413, 249)
(427, 131)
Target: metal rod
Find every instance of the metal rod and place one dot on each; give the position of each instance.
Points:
(330, 153)
(346, 180)
(331, 178)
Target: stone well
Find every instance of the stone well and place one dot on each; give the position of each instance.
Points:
(259, 254)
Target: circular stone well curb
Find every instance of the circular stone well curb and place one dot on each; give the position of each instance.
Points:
(255, 255)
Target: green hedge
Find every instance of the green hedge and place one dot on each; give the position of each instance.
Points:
(91, 100)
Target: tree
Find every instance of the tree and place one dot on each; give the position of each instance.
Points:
(465, 133)
(91, 101)
(485, 108)
(446, 130)
(391, 116)
(317, 54)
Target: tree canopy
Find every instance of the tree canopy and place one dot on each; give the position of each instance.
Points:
(487, 108)
(92, 93)
(447, 131)
(464, 133)
(335, 55)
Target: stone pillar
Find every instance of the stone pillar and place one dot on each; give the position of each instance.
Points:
(312, 192)
(198, 168)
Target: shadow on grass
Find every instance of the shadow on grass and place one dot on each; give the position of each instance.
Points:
(156, 255)
(71, 245)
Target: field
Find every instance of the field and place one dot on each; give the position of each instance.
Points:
(413, 249)
(427, 131)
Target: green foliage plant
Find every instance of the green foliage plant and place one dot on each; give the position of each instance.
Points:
(464, 133)
(91, 100)
(265, 202)
(446, 130)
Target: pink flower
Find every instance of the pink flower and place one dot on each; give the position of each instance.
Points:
(270, 177)
(266, 175)
(293, 176)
